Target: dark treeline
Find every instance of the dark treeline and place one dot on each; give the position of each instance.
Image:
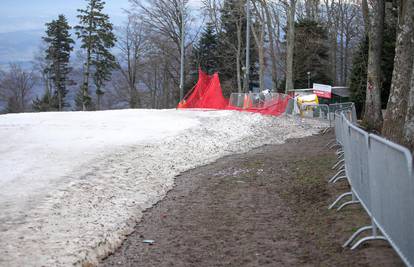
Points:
(366, 45)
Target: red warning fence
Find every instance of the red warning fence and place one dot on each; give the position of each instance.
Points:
(207, 94)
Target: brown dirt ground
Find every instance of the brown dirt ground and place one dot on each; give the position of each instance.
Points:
(267, 207)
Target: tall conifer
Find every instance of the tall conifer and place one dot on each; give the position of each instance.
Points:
(96, 34)
(59, 46)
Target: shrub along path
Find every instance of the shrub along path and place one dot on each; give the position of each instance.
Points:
(267, 207)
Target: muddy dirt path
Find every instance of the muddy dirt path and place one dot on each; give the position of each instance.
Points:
(267, 207)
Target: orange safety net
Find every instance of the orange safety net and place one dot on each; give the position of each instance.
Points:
(207, 93)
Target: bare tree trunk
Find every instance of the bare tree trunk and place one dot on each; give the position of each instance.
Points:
(290, 45)
(346, 59)
(278, 50)
(272, 45)
(341, 56)
(334, 47)
(395, 115)
(409, 119)
(59, 86)
(258, 35)
(85, 85)
(86, 74)
(329, 6)
(155, 89)
(164, 91)
(99, 98)
(373, 115)
(259, 39)
(238, 57)
(341, 42)
(262, 66)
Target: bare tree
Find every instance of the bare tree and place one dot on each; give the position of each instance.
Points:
(40, 66)
(312, 9)
(132, 43)
(212, 8)
(330, 8)
(278, 14)
(225, 16)
(272, 42)
(352, 31)
(290, 10)
(162, 22)
(16, 87)
(374, 15)
(259, 31)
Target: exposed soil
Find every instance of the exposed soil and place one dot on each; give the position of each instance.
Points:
(267, 207)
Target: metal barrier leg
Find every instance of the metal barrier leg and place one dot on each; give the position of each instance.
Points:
(330, 143)
(354, 200)
(374, 236)
(356, 234)
(339, 152)
(368, 238)
(326, 130)
(347, 204)
(338, 161)
(339, 199)
(334, 145)
(336, 175)
(337, 164)
(339, 178)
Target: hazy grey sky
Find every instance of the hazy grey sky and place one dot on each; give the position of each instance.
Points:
(17, 15)
(22, 22)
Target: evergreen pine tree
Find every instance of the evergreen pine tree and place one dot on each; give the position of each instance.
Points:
(45, 103)
(358, 77)
(311, 54)
(96, 34)
(206, 52)
(103, 68)
(59, 46)
(204, 55)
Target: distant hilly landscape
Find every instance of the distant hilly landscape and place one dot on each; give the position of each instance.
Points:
(22, 24)
(19, 46)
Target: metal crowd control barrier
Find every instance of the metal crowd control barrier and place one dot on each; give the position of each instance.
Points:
(290, 107)
(392, 194)
(255, 100)
(350, 106)
(321, 111)
(381, 179)
(316, 111)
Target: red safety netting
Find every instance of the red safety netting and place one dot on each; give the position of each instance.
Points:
(207, 93)
(272, 107)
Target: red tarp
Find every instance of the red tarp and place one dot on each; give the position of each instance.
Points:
(207, 93)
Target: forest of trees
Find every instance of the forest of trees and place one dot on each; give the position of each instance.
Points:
(366, 45)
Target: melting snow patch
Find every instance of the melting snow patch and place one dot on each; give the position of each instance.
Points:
(82, 180)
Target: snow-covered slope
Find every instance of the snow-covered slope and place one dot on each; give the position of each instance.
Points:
(38, 150)
(73, 184)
